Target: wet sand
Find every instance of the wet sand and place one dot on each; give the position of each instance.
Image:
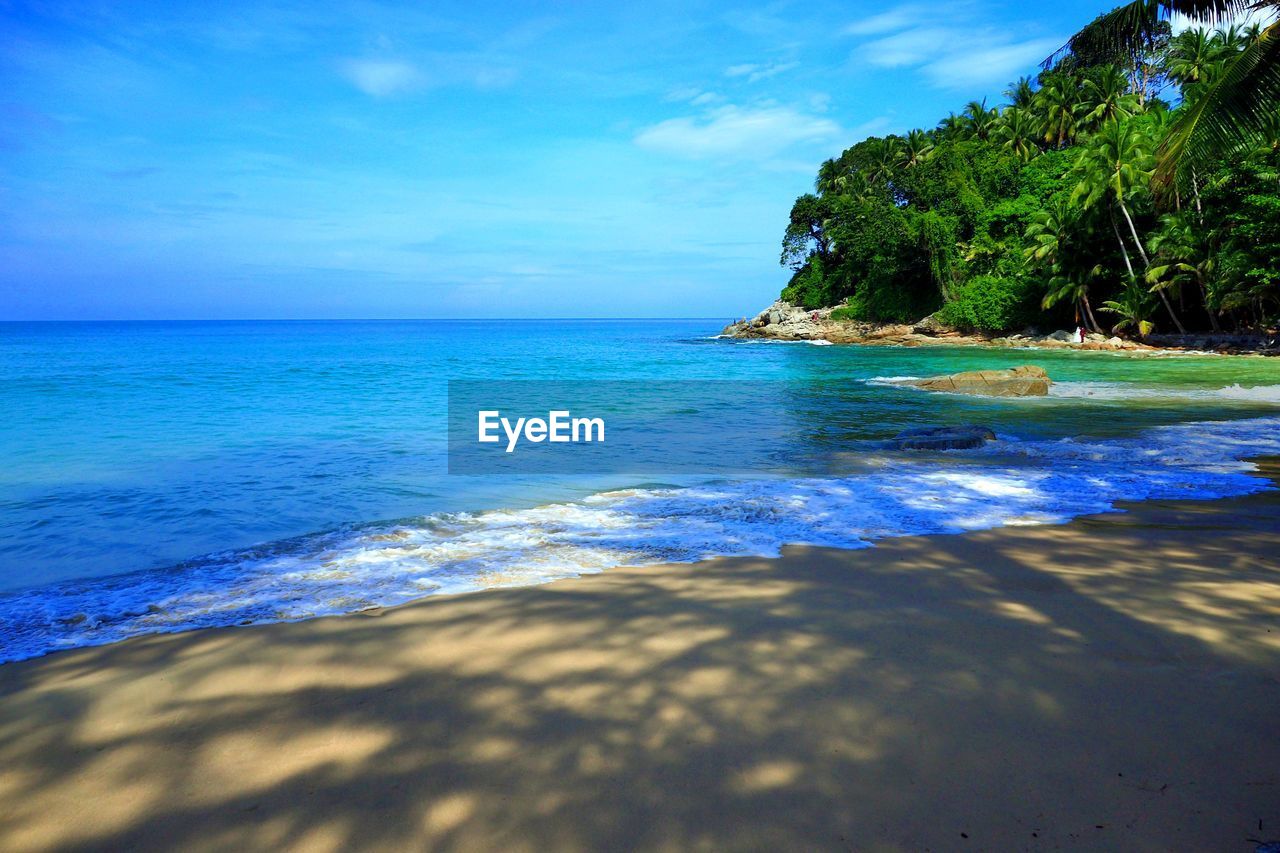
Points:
(1113, 683)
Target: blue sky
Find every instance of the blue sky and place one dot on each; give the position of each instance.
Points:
(314, 160)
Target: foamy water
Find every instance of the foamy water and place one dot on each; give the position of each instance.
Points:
(1006, 483)
(1119, 391)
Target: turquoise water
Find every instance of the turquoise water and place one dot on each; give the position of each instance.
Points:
(162, 476)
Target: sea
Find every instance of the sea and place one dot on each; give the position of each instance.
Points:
(168, 476)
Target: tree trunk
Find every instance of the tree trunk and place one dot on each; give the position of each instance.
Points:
(1088, 310)
(1146, 263)
(1213, 316)
(1123, 251)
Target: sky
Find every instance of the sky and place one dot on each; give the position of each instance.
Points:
(172, 160)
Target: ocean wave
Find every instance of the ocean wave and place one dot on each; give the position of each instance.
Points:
(1008, 482)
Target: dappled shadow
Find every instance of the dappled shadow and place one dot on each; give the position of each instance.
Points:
(1007, 689)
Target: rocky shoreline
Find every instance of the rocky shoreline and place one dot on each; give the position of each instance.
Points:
(785, 322)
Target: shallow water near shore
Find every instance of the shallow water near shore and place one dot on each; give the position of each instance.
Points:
(165, 476)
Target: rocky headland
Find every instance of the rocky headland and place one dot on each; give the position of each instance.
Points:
(785, 322)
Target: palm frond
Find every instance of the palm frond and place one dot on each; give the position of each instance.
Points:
(1239, 105)
(1125, 30)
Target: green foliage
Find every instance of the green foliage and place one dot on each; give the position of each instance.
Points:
(991, 303)
(1037, 212)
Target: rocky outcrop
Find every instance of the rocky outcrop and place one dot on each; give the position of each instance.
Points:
(1026, 381)
(941, 438)
(784, 321)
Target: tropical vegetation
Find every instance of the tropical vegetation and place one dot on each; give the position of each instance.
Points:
(1090, 196)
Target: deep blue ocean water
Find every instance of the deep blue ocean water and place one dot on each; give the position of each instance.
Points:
(162, 476)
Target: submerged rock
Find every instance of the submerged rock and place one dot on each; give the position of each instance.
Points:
(941, 438)
(1025, 381)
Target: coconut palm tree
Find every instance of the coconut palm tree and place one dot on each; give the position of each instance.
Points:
(1105, 97)
(1052, 233)
(1234, 105)
(882, 156)
(1115, 165)
(1019, 132)
(1193, 55)
(1182, 257)
(953, 127)
(1135, 307)
(1057, 101)
(1021, 93)
(978, 119)
(915, 149)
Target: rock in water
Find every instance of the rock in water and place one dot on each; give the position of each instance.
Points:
(941, 438)
(1023, 381)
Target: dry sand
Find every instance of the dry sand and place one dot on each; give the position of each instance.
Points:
(1109, 684)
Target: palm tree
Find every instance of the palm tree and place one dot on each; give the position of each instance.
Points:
(832, 179)
(953, 127)
(882, 159)
(1233, 106)
(1182, 258)
(1021, 93)
(1192, 56)
(1134, 307)
(915, 149)
(1019, 132)
(978, 119)
(1057, 100)
(1105, 97)
(1051, 233)
(1112, 167)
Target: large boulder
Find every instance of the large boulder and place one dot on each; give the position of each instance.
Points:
(929, 326)
(941, 438)
(1026, 381)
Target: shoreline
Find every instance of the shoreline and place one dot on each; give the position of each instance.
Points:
(1106, 681)
(782, 321)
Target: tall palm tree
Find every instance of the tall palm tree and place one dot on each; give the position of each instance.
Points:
(978, 119)
(832, 179)
(1181, 256)
(1057, 101)
(1233, 107)
(882, 159)
(952, 127)
(1051, 233)
(915, 149)
(1019, 132)
(1193, 55)
(1115, 164)
(1021, 93)
(1105, 97)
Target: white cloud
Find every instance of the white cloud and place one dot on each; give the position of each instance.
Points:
(755, 73)
(380, 77)
(890, 21)
(952, 52)
(993, 63)
(737, 132)
(910, 47)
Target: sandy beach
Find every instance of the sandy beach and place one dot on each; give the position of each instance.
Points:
(1107, 684)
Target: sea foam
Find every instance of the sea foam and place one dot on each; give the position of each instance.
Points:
(1008, 482)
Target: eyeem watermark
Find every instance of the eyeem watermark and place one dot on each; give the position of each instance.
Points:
(559, 427)
(654, 428)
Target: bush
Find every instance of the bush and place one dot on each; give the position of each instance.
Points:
(991, 303)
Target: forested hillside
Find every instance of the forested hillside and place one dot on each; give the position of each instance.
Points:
(1046, 209)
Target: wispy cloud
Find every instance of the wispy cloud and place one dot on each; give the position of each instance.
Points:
(889, 21)
(951, 52)
(381, 78)
(755, 73)
(731, 131)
